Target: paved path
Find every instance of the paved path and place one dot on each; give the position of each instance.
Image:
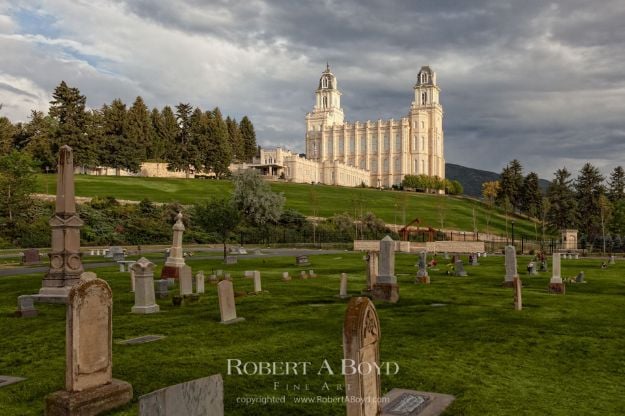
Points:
(277, 252)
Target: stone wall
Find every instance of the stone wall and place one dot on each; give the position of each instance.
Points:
(456, 246)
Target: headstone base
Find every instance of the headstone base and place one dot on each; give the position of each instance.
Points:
(232, 321)
(409, 402)
(508, 283)
(170, 272)
(557, 288)
(423, 280)
(145, 309)
(385, 291)
(89, 402)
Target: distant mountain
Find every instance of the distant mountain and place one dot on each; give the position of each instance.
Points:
(472, 179)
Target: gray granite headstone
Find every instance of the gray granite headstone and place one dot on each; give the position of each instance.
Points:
(301, 260)
(141, 340)
(162, 289)
(201, 397)
(407, 404)
(117, 253)
(231, 260)
(26, 307)
(7, 380)
(580, 278)
(423, 271)
(30, 256)
(459, 269)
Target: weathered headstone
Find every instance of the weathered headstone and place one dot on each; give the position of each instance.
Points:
(511, 266)
(65, 257)
(518, 299)
(343, 288)
(580, 278)
(212, 278)
(199, 282)
(303, 274)
(201, 397)
(285, 276)
(186, 280)
(227, 307)
(231, 260)
(612, 259)
(89, 386)
(145, 302)
(556, 285)
(386, 287)
(576, 256)
(30, 257)
(25, 307)
(117, 253)
(372, 270)
(531, 269)
(301, 260)
(311, 274)
(459, 269)
(175, 260)
(257, 284)
(474, 261)
(422, 273)
(361, 349)
(248, 274)
(162, 289)
(543, 266)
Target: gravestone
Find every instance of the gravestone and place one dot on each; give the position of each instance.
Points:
(361, 348)
(227, 307)
(459, 269)
(227, 276)
(166, 254)
(186, 280)
(543, 266)
(580, 278)
(65, 257)
(531, 269)
(422, 273)
(25, 307)
(219, 273)
(446, 256)
(141, 340)
(231, 260)
(117, 253)
(556, 285)
(201, 397)
(257, 284)
(518, 299)
(248, 274)
(612, 260)
(303, 274)
(301, 261)
(8, 380)
(30, 257)
(343, 288)
(199, 282)
(386, 287)
(311, 274)
(145, 302)
(474, 261)
(212, 278)
(89, 386)
(175, 260)
(576, 256)
(285, 276)
(92, 252)
(511, 267)
(372, 270)
(162, 289)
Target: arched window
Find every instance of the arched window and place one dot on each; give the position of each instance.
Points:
(325, 102)
(424, 98)
(424, 77)
(324, 82)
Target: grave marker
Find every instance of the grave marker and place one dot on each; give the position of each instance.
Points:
(201, 397)
(175, 258)
(144, 290)
(386, 287)
(556, 285)
(199, 282)
(227, 306)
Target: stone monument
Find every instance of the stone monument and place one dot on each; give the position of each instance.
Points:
(518, 299)
(227, 307)
(30, 257)
(361, 349)
(343, 288)
(372, 270)
(511, 267)
(422, 273)
(89, 386)
(556, 285)
(144, 287)
(580, 277)
(65, 257)
(186, 280)
(175, 260)
(162, 289)
(459, 269)
(385, 287)
(257, 284)
(199, 282)
(201, 397)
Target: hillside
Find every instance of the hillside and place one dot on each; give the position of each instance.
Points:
(472, 179)
(392, 206)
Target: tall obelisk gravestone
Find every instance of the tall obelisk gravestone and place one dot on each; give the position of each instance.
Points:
(175, 261)
(65, 257)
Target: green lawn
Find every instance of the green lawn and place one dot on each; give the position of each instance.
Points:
(561, 355)
(457, 212)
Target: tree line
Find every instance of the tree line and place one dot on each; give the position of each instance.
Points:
(590, 203)
(122, 137)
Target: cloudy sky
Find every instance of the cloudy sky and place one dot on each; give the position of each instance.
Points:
(540, 81)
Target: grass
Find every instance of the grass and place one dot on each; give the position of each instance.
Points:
(457, 212)
(561, 355)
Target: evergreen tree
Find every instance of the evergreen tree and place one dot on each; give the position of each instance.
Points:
(588, 189)
(180, 157)
(617, 221)
(616, 185)
(166, 128)
(562, 205)
(37, 140)
(511, 184)
(68, 110)
(248, 137)
(139, 132)
(198, 145)
(7, 132)
(531, 196)
(236, 141)
(220, 144)
(121, 152)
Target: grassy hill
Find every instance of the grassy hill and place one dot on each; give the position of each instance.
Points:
(392, 206)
